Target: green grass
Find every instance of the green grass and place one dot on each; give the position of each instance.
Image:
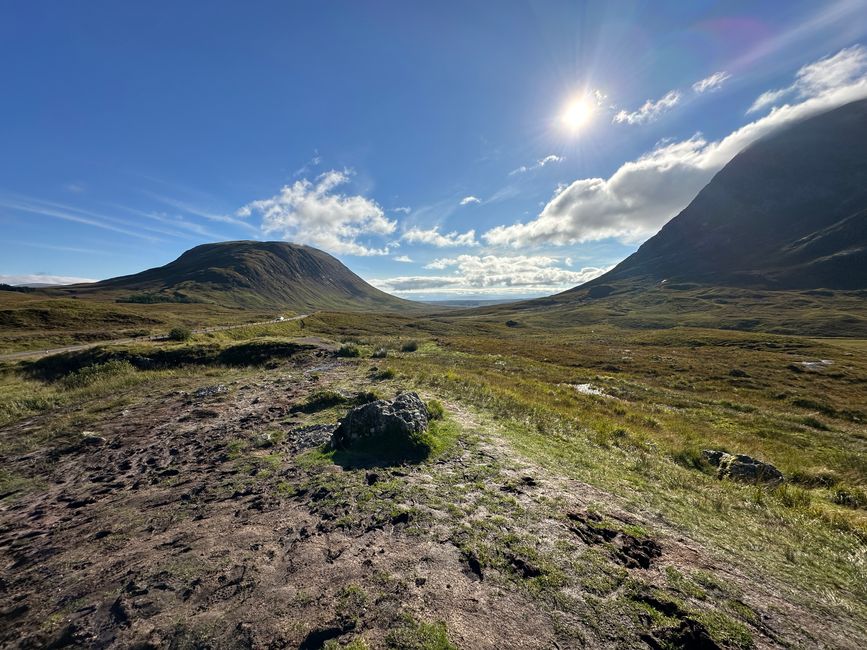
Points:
(419, 635)
(662, 395)
(670, 394)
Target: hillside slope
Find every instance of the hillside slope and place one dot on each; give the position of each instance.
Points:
(788, 212)
(250, 274)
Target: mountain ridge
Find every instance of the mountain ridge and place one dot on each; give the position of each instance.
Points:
(787, 212)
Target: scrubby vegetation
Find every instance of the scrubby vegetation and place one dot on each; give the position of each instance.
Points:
(522, 425)
(180, 334)
(349, 350)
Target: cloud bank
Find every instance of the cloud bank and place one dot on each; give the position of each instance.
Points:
(41, 278)
(846, 67)
(493, 274)
(433, 237)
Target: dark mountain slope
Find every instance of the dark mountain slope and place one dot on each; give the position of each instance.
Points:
(251, 274)
(788, 212)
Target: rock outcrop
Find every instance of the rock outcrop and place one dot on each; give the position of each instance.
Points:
(405, 415)
(743, 468)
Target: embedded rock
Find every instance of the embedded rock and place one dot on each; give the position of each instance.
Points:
(405, 415)
(743, 468)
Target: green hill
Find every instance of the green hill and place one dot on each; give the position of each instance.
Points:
(250, 275)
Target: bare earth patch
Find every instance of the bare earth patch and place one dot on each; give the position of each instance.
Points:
(213, 517)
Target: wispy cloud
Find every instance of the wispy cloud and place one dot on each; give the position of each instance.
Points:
(547, 160)
(433, 237)
(315, 213)
(402, 210)
(198, 211)
(72, 214)
(467, 200)
(185, 228)
(315, 161)
(68, 249)
(711, 83)
(650, 110)
(406, 259)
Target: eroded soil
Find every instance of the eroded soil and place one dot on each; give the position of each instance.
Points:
(213, 519)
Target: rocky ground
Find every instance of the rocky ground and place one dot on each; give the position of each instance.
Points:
(210, 516)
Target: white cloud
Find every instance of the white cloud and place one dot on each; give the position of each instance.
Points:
(313, 213)
(846, 67)
(650, 110)
(494, 274)
(711, 83)
(643, 194)
(547, 160)
(402, 210)
(470, 199)
(433, 237)
(417, 283)
(315, 161)
(41, 278)
(768, 98)
(403, 258)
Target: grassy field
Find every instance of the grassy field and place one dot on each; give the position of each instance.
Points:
(34, 321)
(620, 413)
(655, 399)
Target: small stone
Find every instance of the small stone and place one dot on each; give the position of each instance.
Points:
(92, 438)
(209, 391)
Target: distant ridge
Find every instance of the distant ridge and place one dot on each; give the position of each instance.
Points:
(788, 212)
(250, 274)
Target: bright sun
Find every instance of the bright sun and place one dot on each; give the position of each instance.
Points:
(578, 112)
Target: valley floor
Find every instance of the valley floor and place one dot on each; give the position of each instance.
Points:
(190, 502)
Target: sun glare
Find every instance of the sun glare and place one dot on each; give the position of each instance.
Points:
(577, 114)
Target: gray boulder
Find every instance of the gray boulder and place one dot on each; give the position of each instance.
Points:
(405, 415)
(713, 456)
(743, 468)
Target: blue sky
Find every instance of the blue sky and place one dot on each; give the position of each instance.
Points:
(423, 145)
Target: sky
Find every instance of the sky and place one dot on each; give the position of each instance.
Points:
(440, 150)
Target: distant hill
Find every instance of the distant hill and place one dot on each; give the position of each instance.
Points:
(249, 274)
(788, 212)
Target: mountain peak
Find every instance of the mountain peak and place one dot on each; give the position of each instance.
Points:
(252, 274)
(788, 212)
